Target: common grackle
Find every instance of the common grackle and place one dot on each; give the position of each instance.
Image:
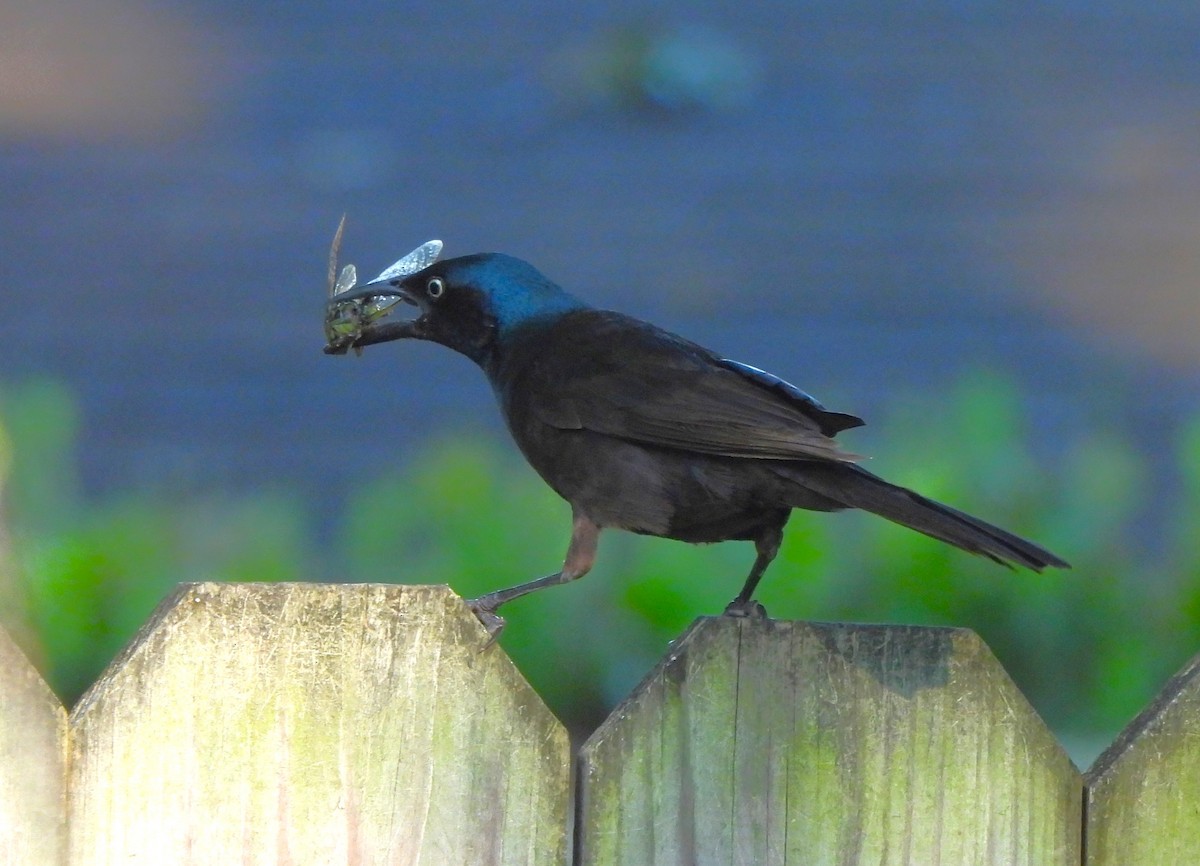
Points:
(640, 429)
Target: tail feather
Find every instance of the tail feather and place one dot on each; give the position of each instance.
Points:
(854, 487)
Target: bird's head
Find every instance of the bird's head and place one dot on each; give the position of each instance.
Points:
(468, 304)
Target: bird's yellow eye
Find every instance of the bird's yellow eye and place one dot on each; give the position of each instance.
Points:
(435, 288)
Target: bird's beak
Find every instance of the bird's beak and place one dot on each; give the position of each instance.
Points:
(352, 313)
(373, 289)
(352, 317)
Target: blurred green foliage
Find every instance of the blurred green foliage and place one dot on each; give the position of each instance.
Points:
(1089, 646)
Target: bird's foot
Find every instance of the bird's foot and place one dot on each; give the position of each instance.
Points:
(484, 609)
(748, 608)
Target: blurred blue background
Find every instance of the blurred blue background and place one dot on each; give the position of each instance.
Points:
(976, 225)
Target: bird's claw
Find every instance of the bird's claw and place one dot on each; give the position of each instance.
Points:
(485, 611)
(748, 609)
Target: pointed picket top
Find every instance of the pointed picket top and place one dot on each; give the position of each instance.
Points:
(272, 723)
(1143, 792)
(767, 742)
(33, 747)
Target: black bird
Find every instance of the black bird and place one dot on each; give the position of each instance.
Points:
(642, 430)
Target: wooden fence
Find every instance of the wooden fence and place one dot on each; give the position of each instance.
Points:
(323, 724)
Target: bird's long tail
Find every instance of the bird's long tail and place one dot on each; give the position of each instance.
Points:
(854, 487)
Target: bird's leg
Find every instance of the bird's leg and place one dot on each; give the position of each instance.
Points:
(767, 546)
(581, 554)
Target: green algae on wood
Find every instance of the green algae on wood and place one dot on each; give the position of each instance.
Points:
(764, 742)
(280, 723)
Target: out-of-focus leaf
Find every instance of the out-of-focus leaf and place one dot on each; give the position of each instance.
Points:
(1089, 646)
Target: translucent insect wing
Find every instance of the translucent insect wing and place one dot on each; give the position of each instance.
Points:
(346, 281)
(419, 259)
(333, 254)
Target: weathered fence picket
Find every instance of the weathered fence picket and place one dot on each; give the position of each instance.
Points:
(362, 724)
(761, 742)
(1143, 805)
(33, 741)
(301, 723)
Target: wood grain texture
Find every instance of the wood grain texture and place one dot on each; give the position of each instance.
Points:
(33, 738)
(764, 742)
(300, 723)
(1143, 792)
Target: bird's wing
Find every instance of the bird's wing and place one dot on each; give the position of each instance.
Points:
(618, 376)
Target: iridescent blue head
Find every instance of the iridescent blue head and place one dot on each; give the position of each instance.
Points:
(469, 303)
